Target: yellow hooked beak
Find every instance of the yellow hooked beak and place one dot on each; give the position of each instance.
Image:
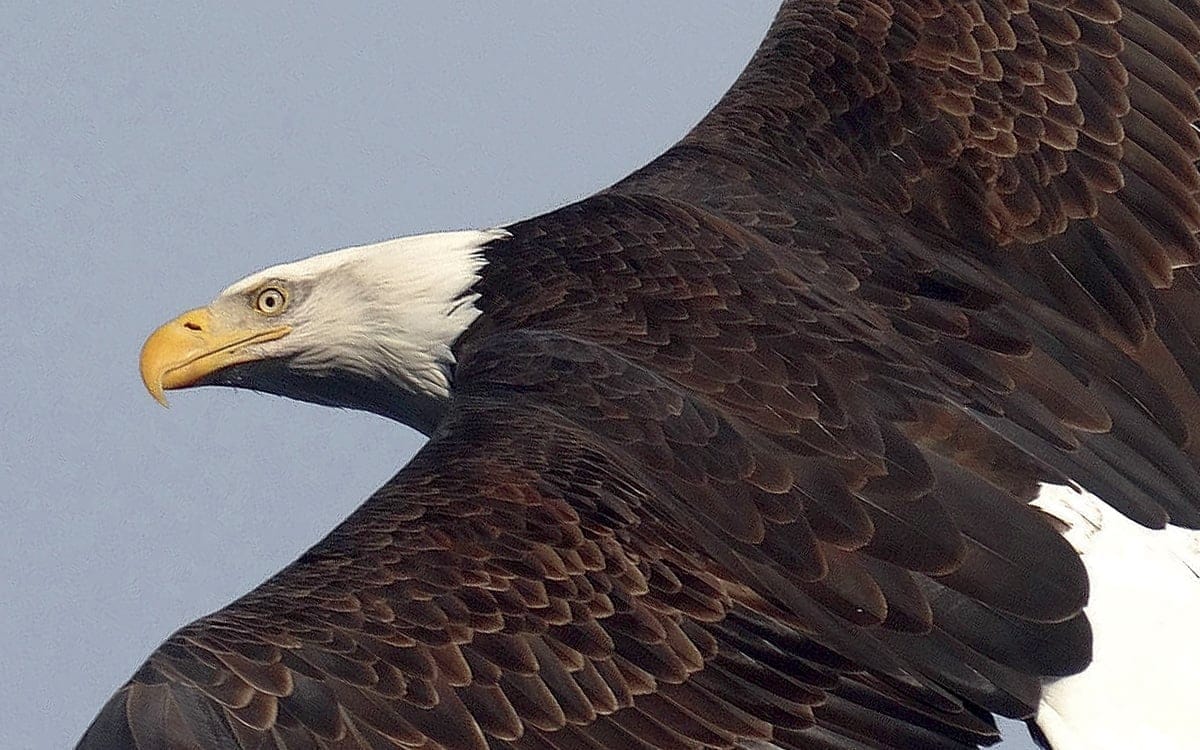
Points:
(182, 352)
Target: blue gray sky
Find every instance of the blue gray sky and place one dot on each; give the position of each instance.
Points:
(149, 155)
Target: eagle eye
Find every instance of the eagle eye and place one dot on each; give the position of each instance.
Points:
(271, 301)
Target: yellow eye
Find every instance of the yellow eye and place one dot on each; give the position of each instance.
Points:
(271, 301)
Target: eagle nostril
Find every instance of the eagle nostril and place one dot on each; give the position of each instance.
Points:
(191, 326)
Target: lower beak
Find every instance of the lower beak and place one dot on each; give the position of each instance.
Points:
(193, 346)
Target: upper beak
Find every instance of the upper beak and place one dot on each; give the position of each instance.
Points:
(194, 345)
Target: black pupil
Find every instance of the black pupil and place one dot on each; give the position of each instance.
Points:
(269, 300)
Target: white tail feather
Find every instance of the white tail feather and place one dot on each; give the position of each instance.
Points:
(1142, 689)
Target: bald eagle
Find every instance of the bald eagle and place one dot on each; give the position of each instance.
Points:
(751, 449)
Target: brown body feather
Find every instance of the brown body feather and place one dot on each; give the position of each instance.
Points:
(740, 448)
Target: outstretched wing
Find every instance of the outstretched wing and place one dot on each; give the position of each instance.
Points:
(586, 555)
(1051, 145)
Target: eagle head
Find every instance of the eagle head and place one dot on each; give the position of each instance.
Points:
(368, 327)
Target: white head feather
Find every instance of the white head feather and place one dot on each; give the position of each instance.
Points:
(389, 312)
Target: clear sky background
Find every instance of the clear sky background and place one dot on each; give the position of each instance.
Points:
(152, 153)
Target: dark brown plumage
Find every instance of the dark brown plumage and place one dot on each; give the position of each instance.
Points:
(740, 448)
